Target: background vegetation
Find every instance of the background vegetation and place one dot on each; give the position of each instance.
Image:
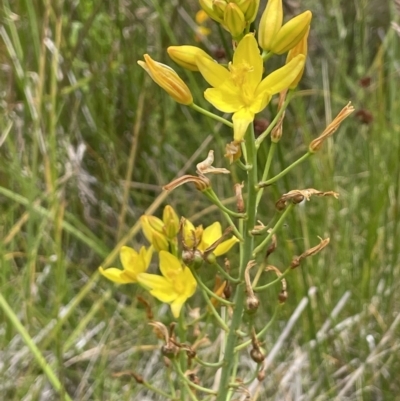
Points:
(86, 143)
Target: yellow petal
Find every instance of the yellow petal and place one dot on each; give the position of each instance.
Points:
(300, 48)
(212, 72)
(190, 282)
(170, 266)
(260, 102)
(158, 286)
(241, 120)
(248, 54)
(225, 246)
(283, 77)
(210, 234)
(117, 275)
(226, 98)
(128, 257)
(176, 306)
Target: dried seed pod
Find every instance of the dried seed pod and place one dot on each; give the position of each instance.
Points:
(256, 355)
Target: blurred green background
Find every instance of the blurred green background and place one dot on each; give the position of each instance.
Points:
(86, 142)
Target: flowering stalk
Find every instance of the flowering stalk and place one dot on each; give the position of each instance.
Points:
(240, 88)
(245, 256)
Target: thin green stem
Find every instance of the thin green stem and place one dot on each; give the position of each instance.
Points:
(266, 55)
(53, 379)
(157, 390)
(266, 169)
(191, 384)
(209, 364)
(284, 172)
(210, 194)
(260, 333)
(182, 355)
(273, 282)
(211, 115)
(246, 249)
(209, 303)
(208, 291)
(232, 224)
(264, 243)
(275, 120)
(243, 166)
(226, 275)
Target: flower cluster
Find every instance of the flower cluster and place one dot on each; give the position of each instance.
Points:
(176, 283)
(240, 88)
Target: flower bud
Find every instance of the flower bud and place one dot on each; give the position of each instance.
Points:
(234, 20)
(207, 6)
(171, 222)
(249, 9)
(168, 79)
(160, 242)
(219, 8)
(291, 33)
(270, 24)
(153, 230)
(300, 48)
(186, 56)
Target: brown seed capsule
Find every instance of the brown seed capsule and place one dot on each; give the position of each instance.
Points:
(169, 350)
(282, 297)
(252, 303)
(256, 355)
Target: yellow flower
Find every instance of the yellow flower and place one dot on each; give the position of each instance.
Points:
(207, 237)
(240, 89)
(168, 79)
(133, 264)
(174, 287)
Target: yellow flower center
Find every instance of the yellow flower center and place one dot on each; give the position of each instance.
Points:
(239, 75)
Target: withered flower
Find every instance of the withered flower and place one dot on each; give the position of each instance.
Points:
(309, 252)
(298, 195)
(233, 151)
(316, 144)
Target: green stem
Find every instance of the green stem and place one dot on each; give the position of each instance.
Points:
(208, 364)
(284, 172)
(210, 194)
(266, 55)
(275, 120)
(232, 224)
(273, 282)
(156, 390)
(260, 333)
(226, 275)
(191, 384)
(182, 355)
(33, 348)
(204, 291)
(246, 254)
(209, 292)
(266, 169)
(211, 115)
(264, 243)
